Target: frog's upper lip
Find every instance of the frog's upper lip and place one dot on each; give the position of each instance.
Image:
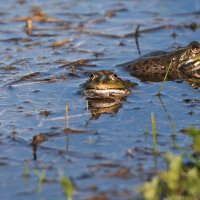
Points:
(115, 90)
(192, 60)
(109, 93)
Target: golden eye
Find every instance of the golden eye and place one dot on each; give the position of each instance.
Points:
(195, 50)
(113, 76)
(195, 47)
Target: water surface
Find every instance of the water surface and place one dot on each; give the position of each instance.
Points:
(112, 153)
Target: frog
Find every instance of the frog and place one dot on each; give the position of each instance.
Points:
(183, 64)
(106, 84)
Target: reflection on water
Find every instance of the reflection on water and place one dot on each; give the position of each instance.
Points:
(37, 139)
(195, 83)
(99, 107)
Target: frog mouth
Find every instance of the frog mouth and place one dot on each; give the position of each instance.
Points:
(106, 93)
(191, 69)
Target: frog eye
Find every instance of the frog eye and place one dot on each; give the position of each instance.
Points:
(195, 47)
(93, 76)
(113, 76)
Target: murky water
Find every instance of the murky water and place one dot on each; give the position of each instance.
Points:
(111, 153)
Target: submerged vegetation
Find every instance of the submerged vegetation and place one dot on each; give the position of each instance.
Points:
(181, 180)
(66, 184)
(68, 187)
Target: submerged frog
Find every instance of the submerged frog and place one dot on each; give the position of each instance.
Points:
(185, 64)
(106, 84)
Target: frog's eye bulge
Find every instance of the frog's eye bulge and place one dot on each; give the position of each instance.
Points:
(113, 76)
(195, 47)
(93, 76)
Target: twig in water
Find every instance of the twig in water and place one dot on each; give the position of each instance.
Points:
(67, 116)
(29, 26)
(136, 38)
(67, 130)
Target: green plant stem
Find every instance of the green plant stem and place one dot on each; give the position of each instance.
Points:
(172, 124)
(164, 80)
(154, 130)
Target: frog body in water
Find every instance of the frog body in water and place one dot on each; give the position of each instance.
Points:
(106, 84)
(185, 64)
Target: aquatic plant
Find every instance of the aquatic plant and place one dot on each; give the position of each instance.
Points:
(42, 179)
(164, 80)
(154, 131)
(26, 171)
(67, 186)
(179, 181)
(195, 134)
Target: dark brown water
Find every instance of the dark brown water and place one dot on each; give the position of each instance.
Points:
(111, 153)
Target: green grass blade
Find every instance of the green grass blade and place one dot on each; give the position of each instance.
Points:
(164, 80)
(154, 131)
